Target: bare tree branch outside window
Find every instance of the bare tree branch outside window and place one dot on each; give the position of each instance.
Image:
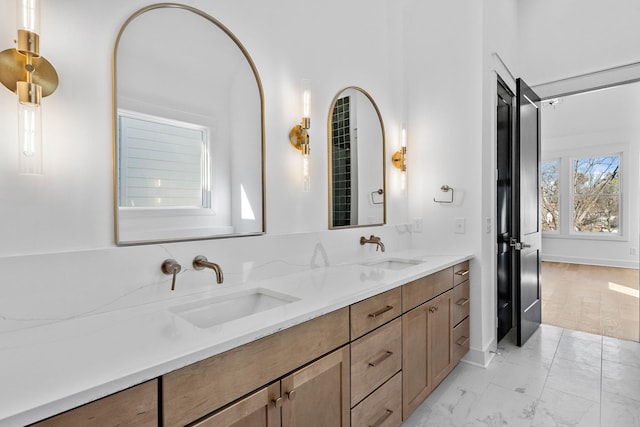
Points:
(550, 179)
(596, 194)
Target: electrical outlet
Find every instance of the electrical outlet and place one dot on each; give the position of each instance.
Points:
(417, 225)
(459, 226)
(633, 251)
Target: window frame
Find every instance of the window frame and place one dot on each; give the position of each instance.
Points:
(565, 202)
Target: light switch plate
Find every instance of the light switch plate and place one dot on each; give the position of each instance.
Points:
(417, 225)
(459, 226)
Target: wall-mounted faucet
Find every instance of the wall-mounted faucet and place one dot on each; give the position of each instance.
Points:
(171, 267)
(374, 240)
(200, 263)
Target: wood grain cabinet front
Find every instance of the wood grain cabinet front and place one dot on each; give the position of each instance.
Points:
(318, 395)
(259, 409)
(383, 408)
(374, 312)
(427, 350)
(375, 358)
(199, 389)
(136, 406)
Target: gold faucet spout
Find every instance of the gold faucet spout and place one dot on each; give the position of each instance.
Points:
(373, 240)
(200, 262)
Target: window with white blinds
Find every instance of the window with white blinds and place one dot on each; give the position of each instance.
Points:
(162, 163)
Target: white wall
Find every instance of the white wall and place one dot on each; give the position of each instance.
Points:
(561, 39)
(57, 249)
(443, 45)
(596, 123)
(70, 207)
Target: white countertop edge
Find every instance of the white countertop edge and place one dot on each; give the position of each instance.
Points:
(36, 411)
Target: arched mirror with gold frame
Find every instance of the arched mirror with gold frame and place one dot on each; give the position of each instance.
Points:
(357, 191)
(188, 114)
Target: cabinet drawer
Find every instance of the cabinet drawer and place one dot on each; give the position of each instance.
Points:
(375, 311)
(421, 290)
(201, 388)
(374, 359)
(136, 406)
(460, 273)
(383, 408)
(460, 302)
(460, 340)
(257, 409)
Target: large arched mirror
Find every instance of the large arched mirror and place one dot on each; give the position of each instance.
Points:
(188, 114)
(357, 194)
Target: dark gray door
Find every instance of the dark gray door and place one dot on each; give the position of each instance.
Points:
(504, 125)
(527, 237)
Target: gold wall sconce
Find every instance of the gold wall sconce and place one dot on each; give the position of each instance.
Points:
(31, 77)
(299, 136)
(399, 158)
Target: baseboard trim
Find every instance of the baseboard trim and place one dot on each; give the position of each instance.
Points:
(591, 261)
(481, 358)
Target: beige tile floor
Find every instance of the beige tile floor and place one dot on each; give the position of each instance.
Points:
(599, 300)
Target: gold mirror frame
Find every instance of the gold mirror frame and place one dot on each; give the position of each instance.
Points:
(330, 159)
(244, 51)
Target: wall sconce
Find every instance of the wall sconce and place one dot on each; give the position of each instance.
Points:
(299, 137)
(399, 158)
(31, 77)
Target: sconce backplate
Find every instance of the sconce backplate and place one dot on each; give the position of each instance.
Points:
(12, 70)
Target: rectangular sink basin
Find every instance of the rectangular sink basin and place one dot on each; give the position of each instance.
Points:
(214, 311)
(394, 263)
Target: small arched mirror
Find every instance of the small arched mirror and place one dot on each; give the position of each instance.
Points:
(189, 129)
(357, 194)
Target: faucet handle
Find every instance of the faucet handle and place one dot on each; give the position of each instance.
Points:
(171, 267)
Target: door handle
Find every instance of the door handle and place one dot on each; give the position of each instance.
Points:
(518, 246)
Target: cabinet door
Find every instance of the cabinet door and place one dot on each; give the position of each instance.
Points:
(416, 384)
(427, 350)
(318, 395)
(440, 337)
(260, 409)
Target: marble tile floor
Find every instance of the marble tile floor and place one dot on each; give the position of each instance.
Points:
(560, 377)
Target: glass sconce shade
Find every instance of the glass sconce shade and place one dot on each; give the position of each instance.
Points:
(29, 139)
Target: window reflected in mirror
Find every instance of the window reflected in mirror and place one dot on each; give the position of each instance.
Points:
(189, 129)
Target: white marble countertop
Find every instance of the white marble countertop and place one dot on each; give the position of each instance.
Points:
(49, 369)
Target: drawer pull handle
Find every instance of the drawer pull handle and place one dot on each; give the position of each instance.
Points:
(277, 402)
(291, 395)
(462, 341)
(462, 302)
(433, 309)
(381, 311)
(381, 359)
(462, 272)
(382, 419)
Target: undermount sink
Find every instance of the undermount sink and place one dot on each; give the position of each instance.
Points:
(394, 263)
(214, 311)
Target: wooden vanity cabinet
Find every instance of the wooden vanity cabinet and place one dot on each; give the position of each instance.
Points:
(136, 406)
(435, 331)
(461, 302)
(315, 395)
(197, 390)
(370, 364)
(427, 351)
